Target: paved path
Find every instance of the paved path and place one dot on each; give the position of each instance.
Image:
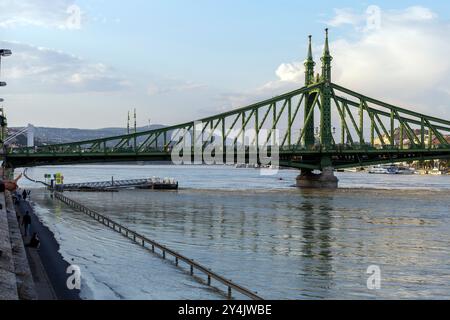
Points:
(52, 261)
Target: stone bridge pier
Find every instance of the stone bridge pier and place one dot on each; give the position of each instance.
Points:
(324, 180)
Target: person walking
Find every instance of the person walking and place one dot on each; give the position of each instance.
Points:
(24, 195)
(26, 223)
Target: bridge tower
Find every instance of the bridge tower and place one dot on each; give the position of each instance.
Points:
(326, 179)
(325, 97)
(309, 138)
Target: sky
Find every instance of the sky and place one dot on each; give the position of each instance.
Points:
(84, 64)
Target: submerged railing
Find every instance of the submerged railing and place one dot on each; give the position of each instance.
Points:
(153, 246)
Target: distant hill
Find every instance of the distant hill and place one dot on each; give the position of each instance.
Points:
(45, 135)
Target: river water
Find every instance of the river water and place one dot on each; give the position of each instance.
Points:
(258, 231)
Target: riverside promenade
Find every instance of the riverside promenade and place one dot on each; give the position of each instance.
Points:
(28, 273)
(48, 266)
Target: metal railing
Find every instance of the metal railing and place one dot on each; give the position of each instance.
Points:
(153, 246)
(25, 174)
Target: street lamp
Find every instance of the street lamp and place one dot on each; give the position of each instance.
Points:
(3, 53)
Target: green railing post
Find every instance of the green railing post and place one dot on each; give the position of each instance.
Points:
(243, 129)
(422, 132)
(361, 123)
(343, 128)
(224, 140)
(289, 129)
(372, 130)
(430, 138)
(165, 140)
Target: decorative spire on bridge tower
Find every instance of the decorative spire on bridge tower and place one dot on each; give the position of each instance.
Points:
(309, 65)
(308, 137)
(326, 60)
(326, 137)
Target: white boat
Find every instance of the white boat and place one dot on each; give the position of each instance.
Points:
(405, 170)
(436, 172)
(378, 170)
(391, 169)
(381, 169)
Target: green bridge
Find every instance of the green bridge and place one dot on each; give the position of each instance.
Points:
(322, 126)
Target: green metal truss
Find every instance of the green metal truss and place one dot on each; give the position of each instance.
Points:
(322, 124)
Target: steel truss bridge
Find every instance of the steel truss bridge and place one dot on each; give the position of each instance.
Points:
(321, 125)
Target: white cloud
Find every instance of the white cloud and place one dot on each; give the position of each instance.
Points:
(62, 14)
(167, 85)
(290, 72)
(402, 59)
(35, 70)
(345, 16)
(415, 13)
(290, 76)
(348, 16)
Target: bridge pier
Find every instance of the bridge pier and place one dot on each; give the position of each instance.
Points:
(325, 180)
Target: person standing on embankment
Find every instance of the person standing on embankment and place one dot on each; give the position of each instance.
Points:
(26, 223)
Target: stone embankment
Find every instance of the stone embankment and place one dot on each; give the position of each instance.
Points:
(16, 280)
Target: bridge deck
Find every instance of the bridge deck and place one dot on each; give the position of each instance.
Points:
(341, 157)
